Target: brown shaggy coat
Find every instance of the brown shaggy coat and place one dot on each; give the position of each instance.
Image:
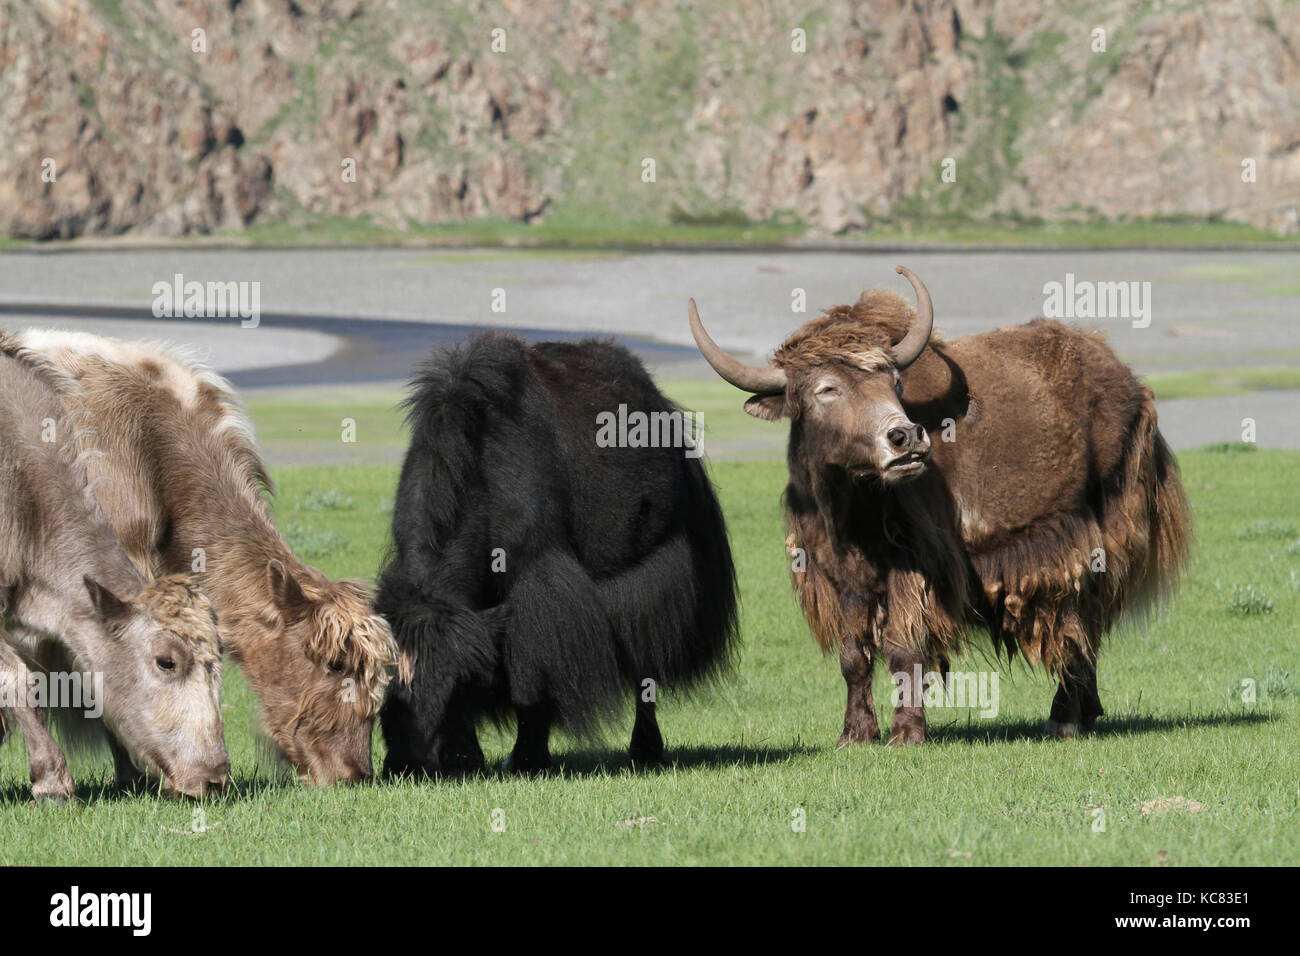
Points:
(1051, 506)
(181, 480)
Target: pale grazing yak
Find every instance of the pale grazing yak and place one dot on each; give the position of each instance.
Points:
(182, 482)
(79, 620)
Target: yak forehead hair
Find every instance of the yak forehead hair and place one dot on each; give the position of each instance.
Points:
(859, 335)
(176, 602)
(345, 627)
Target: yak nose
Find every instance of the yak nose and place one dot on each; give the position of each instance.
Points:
(908, 438)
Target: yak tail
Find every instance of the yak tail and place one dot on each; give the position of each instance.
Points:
(714, 636)
(674, 613)
(1171, 524)
(1152, 484)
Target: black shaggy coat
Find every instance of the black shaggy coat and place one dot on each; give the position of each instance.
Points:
(532, 570)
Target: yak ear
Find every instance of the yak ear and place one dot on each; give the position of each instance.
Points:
(770, 408)
(286, 591)
(108, 607)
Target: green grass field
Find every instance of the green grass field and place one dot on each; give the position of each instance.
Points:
(755, 776)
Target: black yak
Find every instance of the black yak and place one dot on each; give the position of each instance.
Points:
(533, 569)
(1048, 505)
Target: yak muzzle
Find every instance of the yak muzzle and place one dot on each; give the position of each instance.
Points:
(910, 446)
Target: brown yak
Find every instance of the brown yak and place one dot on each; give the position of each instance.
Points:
(1050, 505)
(179, 476)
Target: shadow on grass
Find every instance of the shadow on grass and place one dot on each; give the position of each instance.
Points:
(608, 761)
(605, 761)
(105, 790)
(993, 732)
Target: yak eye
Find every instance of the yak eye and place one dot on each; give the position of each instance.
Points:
(826, 391)
(165, 663)
(336, 666)
(898, 388)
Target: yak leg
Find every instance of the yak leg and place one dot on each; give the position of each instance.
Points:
(860, 712)
(458, 750)
(647, 745)
(532, 753)
(1077, 704)
(909, 713)
(125, 773)
(49, 768)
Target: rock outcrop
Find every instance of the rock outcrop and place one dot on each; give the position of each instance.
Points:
(210, 115)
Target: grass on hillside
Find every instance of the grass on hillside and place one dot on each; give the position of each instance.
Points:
(755, 756)
(580, 228)
(577, 228)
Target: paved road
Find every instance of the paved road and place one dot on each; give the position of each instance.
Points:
(368, 315)
(286, 349)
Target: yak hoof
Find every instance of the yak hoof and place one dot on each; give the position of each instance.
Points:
(525, 768)
(647, 756)
(1065, 731)
(59, 789)
(906, 739)
(850, 740)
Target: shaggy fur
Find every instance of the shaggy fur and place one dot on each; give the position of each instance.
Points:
(72, 601)
(617, 566)
(177, 472)
(1054, 453)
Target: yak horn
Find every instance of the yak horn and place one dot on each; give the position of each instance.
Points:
(764, 380)
(913, 343)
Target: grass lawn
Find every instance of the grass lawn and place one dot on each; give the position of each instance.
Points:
(755, 776)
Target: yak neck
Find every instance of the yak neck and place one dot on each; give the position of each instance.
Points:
(880, 521)
(213, 497)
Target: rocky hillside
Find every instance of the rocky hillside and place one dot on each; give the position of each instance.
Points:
(193, 116)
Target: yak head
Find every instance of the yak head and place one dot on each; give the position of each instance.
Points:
(838, 380)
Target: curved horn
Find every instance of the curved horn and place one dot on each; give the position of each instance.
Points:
(752, 378)
(913, 343)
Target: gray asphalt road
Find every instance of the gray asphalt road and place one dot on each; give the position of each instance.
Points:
(1206, 309)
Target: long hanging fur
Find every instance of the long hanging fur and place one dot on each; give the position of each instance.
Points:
(612, 564)
(918, 565)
